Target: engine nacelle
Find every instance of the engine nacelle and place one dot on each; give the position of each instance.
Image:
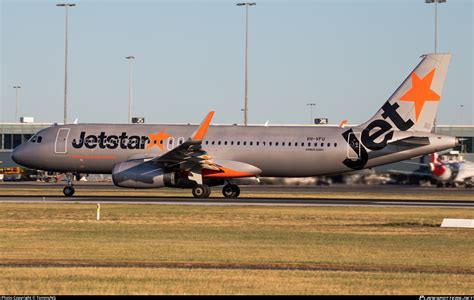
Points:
(139, 174)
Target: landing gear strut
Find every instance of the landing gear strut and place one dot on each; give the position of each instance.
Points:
(201, 191)
(69, 189)
(231, 191)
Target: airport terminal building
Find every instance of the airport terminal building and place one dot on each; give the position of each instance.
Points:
(14, 134)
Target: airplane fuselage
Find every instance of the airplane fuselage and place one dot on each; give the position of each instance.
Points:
(279, 151)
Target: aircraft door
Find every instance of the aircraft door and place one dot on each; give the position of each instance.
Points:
(60, 146)
(353, 146)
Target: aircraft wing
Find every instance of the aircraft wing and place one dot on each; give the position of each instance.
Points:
(190, 154)
(192, 158)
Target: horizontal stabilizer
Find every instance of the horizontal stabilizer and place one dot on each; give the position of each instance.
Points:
(412, 141)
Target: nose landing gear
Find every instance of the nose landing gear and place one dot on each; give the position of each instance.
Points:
(69, 189)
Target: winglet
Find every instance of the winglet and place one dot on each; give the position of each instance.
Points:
(201, 131)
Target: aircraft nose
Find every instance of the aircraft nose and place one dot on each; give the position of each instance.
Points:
(19, 154)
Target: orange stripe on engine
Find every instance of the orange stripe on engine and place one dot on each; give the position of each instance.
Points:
(225, 173)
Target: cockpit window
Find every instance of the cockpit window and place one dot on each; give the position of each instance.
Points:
(36, 139)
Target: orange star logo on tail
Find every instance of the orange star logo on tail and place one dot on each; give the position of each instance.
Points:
(420, 91)
(157, 140)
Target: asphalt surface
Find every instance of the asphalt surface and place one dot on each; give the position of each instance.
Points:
(376, 196)
(342, 188)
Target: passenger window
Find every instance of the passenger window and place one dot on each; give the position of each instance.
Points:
(258, 143)
(276, 143)
(245, 143)
(309, 144)
(225, 143)
(232, 143)
(207, 142)
(335, 144)
(269, 143)
(302, 144)
(238, 143)
(322, 144)
(251, 143)
(289, 143)
(213, 142)
(219, 143)
(283, 143)
(329, 144)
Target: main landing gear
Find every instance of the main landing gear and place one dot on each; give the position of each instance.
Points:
(231, 191)
(201, 191)
(204, 191)
(69, 189)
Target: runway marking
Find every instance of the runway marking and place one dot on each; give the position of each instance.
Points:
(32, 263)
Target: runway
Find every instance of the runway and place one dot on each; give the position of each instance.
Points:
(257, 195)
(237, 202)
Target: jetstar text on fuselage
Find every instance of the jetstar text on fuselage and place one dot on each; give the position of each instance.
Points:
(122, 141)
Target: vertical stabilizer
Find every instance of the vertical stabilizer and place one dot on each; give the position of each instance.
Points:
(413, 105)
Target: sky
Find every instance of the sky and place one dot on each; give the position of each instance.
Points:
(347, 57)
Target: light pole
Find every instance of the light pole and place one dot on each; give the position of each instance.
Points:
(66, 5)
(246, 4)
(436, 20)
(130, 61)
(311, 112)
(16, 87)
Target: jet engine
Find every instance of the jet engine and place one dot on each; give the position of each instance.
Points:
(139, 174)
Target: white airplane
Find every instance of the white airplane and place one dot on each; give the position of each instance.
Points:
(448, 170)
(452, 172)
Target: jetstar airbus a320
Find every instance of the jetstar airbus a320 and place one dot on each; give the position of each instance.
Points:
(198, 157)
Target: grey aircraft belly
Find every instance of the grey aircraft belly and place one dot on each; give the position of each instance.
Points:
(157, 155)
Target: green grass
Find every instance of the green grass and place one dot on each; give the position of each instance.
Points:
(402, 250)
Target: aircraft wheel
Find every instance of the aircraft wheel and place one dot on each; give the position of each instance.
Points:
(68, 191)
(201, 191)
(231, 191)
